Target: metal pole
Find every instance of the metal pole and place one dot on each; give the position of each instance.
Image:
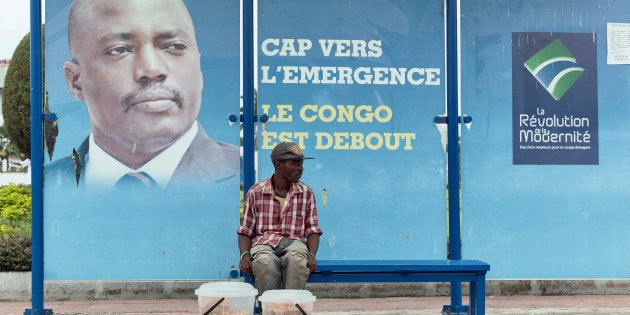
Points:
(37, 192)
(249, 176)
(452, 99)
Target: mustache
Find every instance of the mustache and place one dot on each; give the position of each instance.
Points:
(149, 92)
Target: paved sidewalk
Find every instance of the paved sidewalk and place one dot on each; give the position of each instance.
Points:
(499, 305)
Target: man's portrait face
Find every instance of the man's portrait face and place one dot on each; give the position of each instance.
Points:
(136, 66)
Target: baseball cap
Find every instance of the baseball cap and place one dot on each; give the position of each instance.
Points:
(288, 151)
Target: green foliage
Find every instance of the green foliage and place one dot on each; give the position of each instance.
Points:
(15, 228)
(15, 252)
(16, 98)
(15, 210)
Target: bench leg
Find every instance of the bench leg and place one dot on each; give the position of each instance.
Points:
(474, 303)
(456, 307)
(478, 296)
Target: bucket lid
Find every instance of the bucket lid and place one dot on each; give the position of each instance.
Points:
(226, 289)
(287, 296)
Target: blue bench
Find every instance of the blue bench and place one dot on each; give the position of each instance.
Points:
(471, 271)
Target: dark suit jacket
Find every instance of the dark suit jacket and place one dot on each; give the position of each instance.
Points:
(206, 161)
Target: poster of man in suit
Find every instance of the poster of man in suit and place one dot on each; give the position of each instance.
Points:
(143, 181)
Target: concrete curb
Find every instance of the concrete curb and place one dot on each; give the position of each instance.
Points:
(16, 286)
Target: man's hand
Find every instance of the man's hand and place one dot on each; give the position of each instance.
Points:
(246, 263)
(244, 246)
(311, 263)
(312, 243)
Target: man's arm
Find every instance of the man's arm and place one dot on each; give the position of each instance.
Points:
(247, 231)
(244, 245)
(312, 244)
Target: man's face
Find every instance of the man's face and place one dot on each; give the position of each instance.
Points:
(137, 68)
(290, 170)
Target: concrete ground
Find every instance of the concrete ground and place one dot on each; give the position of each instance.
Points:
(495, 305)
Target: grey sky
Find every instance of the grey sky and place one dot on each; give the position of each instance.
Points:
(14, 24)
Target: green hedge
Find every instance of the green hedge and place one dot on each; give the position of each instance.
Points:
(15, 252)
(15, 210)
(15, 228)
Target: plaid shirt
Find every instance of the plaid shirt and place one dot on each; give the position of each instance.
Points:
(266, 223)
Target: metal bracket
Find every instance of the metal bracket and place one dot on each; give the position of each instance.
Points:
(49, 117)
(444, 119)
(46, 311)
(263, 118)
(451, 310)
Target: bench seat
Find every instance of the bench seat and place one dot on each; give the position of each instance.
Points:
(471, 271)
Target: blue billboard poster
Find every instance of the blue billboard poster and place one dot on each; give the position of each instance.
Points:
(554, 98)
(142, 175)
(357, 84)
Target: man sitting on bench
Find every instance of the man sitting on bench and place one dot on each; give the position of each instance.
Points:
(279, 233)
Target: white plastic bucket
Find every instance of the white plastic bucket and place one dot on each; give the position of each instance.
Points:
(223, 298)
(287, 302)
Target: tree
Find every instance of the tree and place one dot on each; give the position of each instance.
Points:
(16, 99)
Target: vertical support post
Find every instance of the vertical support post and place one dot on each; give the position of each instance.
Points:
(37, 158)
(249, 176)
(453, 178)
(452, 99)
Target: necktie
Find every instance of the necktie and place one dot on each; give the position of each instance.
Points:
(137, 181)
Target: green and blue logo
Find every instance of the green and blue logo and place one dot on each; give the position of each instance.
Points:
(555, 68)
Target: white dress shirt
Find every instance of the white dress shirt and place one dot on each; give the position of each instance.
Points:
(103, 171)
